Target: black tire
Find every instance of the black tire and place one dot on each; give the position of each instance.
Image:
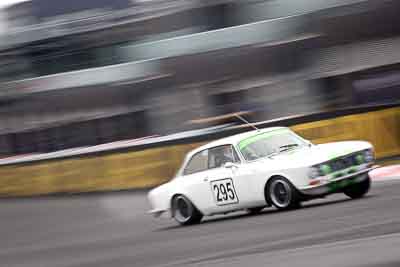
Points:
(358, 190)
(184, 212)
(254, 211)
(282, 194)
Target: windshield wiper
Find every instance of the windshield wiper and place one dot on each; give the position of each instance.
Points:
(287, 147)
(270, 155)
(282, 149)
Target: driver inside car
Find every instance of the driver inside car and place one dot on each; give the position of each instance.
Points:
(224, 156)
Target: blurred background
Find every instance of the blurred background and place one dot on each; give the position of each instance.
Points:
(109, 95)
(79, 74)
(82, 73)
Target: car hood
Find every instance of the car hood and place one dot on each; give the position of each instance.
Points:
(308, 156)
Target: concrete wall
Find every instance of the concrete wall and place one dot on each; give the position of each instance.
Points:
(150, 167)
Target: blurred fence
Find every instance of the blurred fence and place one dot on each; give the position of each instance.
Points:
(154, 164)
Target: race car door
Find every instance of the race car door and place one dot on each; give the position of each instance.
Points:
(227, 188)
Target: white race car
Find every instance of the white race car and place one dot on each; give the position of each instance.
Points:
(256, 169)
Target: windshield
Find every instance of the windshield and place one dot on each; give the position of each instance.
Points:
(269, 144)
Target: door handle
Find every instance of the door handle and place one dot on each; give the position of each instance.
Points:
(206, 179)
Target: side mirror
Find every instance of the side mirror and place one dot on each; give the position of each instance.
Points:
(230, 165)
(309, 144)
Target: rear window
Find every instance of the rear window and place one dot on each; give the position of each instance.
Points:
(198, 163)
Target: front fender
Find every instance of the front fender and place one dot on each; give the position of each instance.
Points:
(297, 176)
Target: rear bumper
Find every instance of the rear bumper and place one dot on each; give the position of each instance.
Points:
(332, 186)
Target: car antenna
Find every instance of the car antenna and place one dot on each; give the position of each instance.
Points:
(245, 121)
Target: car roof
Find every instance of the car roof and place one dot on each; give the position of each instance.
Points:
(234, 139)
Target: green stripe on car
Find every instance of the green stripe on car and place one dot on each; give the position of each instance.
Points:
(254, 138)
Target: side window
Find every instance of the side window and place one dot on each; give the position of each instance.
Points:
(197, 163)
(220, 155)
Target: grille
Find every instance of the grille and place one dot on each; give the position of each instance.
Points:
(343, 163)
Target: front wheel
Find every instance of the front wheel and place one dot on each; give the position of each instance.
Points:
(282, 194)
(184, 212)
(358, 190)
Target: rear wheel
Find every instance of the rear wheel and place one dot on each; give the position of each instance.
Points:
(184, 212)
(282, 194)
(358, 190)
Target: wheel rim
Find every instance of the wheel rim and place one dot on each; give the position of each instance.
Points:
(183, 209)
(280, 193)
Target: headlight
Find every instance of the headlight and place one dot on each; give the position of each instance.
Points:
(319, 170)
(369, 155)
(360, 158)
(325, 169)
(313, 173)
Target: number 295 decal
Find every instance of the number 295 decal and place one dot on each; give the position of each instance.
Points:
(224, 192)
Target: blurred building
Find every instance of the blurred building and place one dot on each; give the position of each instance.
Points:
(90, 72)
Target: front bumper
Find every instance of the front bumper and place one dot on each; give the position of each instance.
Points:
(335, 185)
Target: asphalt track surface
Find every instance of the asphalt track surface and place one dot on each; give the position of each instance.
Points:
(104, 230)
